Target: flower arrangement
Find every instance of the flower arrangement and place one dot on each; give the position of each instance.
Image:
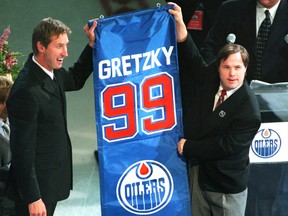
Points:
(8, 60)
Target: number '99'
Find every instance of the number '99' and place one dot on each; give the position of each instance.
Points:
(156, 105)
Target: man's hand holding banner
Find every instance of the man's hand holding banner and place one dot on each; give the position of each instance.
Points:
(139, 115)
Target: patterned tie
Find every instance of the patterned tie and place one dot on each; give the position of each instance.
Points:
(261, 40)
(6, 130)
(221, 98)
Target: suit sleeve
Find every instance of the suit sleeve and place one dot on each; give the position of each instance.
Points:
(76, 76)
(23, 125)
(234, 140)
(191, 64)
(188, 54)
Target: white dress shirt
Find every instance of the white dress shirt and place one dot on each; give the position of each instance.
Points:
(260, 14)
(228, 94)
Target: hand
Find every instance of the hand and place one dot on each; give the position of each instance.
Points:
(37, 208)
(181, 29)
(90, 32)
(181, 146)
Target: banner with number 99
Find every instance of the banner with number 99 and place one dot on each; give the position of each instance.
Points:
(139, 115)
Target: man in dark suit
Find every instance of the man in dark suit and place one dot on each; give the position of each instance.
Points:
(243, 18)
(6, 205)
(41, 168)
(218, 136)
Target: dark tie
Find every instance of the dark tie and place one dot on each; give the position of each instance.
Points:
(221, 98)
(261, 40)
(6, 130)
(56, 84)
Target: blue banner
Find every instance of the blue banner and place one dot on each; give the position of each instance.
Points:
(139, 115)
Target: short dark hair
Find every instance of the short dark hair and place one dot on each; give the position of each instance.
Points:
(229, 49)
(45, 30)
(5, 86)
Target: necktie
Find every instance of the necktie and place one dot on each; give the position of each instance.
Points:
(6, 130)
(56, 85)
(221, 98)
(261, 40)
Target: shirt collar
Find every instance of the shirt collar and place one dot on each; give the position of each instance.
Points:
(49, 73)
(228, 92)
(261, 9)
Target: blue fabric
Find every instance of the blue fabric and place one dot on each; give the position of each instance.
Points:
(139, 115)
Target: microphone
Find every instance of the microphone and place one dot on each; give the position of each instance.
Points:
(286, 38)
(231, 38)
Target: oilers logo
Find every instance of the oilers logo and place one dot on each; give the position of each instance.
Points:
(266, 143)
(145, 187)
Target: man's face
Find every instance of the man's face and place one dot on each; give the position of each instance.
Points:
(232, 71)
(56, 51)
(268, 3)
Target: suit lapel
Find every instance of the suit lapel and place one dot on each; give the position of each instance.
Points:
(207, 98)
(45, 81)
(220, 115)
(4, 139)
(61, 89)
(60, 82)
(49, 86)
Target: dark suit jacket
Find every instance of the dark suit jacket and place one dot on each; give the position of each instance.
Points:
(5, 159)
(40, 144)
(219, 139)
(5, 153)
(239, 17)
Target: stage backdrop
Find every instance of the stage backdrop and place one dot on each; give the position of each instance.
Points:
(139, 116)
